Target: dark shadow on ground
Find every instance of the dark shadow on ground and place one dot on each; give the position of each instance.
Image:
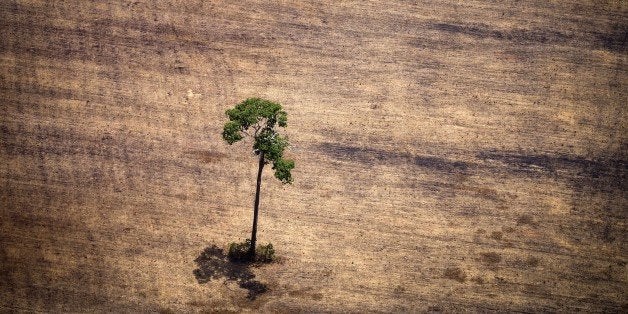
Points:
(213, 264)
(373, 156)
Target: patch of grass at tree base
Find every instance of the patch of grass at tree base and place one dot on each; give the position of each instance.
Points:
(239, 252)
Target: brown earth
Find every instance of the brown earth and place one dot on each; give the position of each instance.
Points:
(451, 155)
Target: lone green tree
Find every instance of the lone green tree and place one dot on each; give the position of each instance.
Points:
(258, 118)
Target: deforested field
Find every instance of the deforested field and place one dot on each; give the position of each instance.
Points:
(451, 155)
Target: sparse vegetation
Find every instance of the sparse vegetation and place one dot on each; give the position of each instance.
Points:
(265, 253)
(239, 252)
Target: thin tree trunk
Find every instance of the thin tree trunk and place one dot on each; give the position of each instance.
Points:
(256, 207)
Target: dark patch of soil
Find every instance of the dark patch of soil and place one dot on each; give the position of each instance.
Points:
(515, 35)
(497, 235)
(490, 258)
(455, 273)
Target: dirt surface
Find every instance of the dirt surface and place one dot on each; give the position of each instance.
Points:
(451, 155)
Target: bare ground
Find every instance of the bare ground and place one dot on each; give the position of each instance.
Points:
(451, 155)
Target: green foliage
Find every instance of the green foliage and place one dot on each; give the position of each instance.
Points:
(265, 253)
(239, 252)
(271, 144)
(231, 132)
(253, 110)
(258, 118)
(282, 170)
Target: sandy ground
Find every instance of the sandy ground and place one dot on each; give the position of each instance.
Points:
(451, 155)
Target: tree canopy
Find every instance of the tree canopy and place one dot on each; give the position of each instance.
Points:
(257, 118)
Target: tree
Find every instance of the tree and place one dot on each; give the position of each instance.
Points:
(257, 118)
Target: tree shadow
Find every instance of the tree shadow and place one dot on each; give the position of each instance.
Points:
(214, 264)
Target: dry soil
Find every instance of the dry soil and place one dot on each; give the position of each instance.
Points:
(451, 155)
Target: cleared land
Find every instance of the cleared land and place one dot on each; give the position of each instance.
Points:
(450, 155)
